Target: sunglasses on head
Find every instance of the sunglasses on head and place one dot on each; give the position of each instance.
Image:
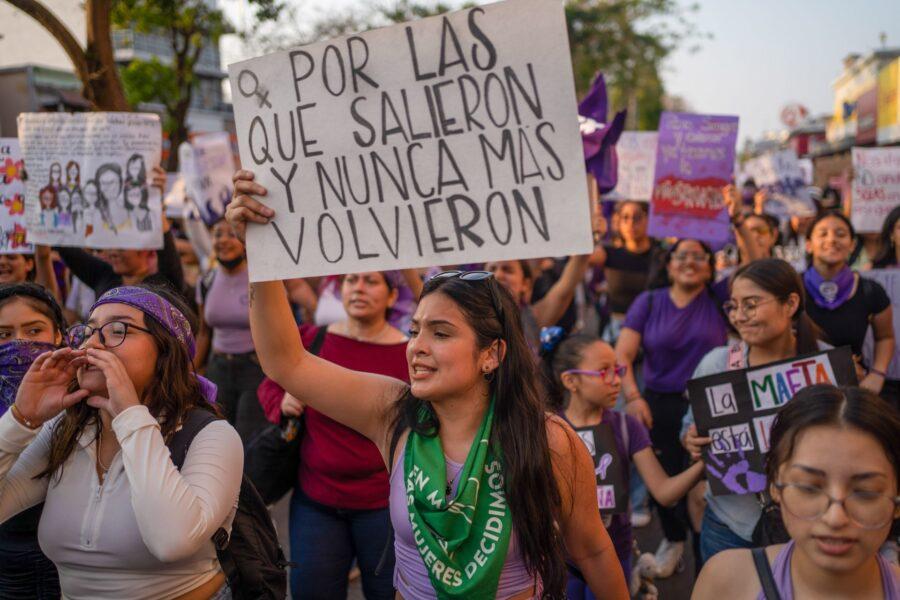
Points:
(471, 276)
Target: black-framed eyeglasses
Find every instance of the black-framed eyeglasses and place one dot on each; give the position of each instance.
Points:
(867, 510)
(111, 334)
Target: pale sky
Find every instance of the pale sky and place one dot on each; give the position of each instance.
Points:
(763, 55)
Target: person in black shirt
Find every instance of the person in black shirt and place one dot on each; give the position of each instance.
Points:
(844, 304)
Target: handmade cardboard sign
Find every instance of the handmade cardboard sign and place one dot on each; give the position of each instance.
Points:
(12, 199)
(694, 161)
(89, 179)
(784, 177)
(609, 468)
(452, 139)
(207, 171)
(890, 281)
(736, 409)
(876, 187)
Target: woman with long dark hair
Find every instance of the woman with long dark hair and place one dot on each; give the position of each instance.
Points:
(767, 308)
(471, 419)
(844, 304)
(31, 323)
(675, 323)
(87, 436)
(833, 466)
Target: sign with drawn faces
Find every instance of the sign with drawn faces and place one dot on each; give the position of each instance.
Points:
(737, 408)
(12, 199)
(609, 468)
(89, 179)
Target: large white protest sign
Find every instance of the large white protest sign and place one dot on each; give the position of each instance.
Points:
(876, 187)
(782, 175)
(12, 199)
(89, 179)
(446, 140)
(636, 151)
(207, 171)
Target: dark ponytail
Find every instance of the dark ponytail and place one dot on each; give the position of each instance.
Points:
(781, 280)
(567, 355)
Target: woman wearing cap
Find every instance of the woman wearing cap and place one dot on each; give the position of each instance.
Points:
(87, 436)
(487, 491)
(339, 508)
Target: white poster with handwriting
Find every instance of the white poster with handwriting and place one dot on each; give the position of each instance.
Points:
(89, 179)
(208, 173)
(876, 187)
(452, 139)
(12, 199)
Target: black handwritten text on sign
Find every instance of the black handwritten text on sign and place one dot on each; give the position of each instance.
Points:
(447, 140)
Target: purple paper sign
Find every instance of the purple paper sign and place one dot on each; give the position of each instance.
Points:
(694, 160)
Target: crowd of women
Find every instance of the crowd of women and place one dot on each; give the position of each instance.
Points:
(444, 416)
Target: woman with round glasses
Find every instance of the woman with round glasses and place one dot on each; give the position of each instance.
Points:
(675, 323)
(87, 436)
(486, 488)
(586, 381)
(833, 467)
(767, 308)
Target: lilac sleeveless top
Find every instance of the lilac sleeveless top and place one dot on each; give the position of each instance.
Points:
(410, 576)
(781, 572)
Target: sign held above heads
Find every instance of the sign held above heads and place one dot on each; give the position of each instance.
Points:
(786, 180)
(452, 139)
(637, 160)
(694, 161)
(736, 409)
(12, 199)
(89, 179)
(876, 187)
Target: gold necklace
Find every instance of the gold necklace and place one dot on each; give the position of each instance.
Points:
(103, 467)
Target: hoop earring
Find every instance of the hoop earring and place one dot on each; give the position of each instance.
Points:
(488, 376)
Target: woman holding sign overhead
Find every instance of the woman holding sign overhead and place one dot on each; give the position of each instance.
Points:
(768, 309)
(470, 420)
(844, 304)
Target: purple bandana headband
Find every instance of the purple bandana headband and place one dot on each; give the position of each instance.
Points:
(162, 311)
(156, 307)
(15, 359)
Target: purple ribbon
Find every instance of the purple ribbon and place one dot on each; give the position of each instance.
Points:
(15, 359)
(170, 318)
(829, 293)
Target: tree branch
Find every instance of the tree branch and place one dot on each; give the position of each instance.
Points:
(60, 32)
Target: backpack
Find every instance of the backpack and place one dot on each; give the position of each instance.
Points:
(251, 558)
(206, 284)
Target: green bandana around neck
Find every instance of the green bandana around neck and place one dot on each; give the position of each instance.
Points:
(462, 540)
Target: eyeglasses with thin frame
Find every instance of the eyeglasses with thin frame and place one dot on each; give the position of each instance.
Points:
(607, 374)
(111, 334)
(747, 307)
(683, 257)
(867, 510)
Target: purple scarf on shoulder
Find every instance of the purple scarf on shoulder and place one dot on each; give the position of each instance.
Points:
(829, 293)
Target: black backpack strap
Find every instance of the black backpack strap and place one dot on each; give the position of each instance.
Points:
(206, 283)
(194, 421)
(317, 342)
(764, 571)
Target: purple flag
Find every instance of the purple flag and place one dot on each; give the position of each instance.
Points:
(598, 137)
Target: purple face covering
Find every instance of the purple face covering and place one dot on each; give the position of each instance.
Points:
(15, 359)
(161, 311)
(829, 293)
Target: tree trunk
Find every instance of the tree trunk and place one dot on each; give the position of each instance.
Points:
(104, 88)
(94, 66)
(180, 132)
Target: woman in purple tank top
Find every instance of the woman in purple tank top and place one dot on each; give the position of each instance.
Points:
(833, 467)
(488, 490)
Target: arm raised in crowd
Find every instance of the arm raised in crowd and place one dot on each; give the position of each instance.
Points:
(358, 400)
